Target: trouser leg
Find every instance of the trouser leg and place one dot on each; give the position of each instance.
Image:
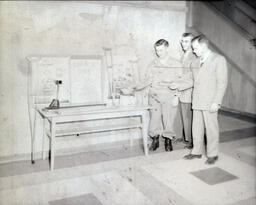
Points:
(198, 132)
(186, 112)
(169, 115)
(212, 133)
(155, 124)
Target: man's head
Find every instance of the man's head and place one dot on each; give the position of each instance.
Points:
(161, 48)
(186, 41)
(200, 45)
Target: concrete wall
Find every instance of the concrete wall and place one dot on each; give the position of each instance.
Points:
(241, 55)
(70, 28)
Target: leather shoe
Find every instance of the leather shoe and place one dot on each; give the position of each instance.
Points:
(211, 160)
(155, 143)
(189, 146)
(192, 156)
(168, 145)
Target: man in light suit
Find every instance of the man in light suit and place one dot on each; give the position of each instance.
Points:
(210, 82)
(183, 85)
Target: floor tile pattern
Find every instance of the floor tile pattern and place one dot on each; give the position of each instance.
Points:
(214, 175)
(124, 176)
(88, 199)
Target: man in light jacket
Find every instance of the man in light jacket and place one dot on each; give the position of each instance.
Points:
(210, 83)
(183, 85)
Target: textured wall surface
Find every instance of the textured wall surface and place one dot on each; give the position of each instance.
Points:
(71, 28)
(241, 92)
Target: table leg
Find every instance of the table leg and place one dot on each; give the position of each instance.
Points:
(145, 133)
(33, 139)
(52, 143)
(43, 140)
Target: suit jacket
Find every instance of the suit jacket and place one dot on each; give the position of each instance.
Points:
(210, 81)
(185, 84)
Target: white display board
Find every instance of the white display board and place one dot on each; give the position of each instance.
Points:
(82, 79)
(86, 80)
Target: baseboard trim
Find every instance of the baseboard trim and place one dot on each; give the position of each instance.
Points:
(246, 116)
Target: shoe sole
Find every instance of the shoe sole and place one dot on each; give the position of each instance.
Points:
(153, 149)
(211, 162)
(192, 158)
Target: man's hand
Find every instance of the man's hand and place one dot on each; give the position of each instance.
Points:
(173, 86)
(127, 91)
(142, 85)
(175, 101)
(214, 107)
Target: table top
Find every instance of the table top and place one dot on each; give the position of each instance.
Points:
(83, 110)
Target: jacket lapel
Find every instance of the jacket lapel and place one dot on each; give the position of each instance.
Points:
(196, 69)
(205, 67)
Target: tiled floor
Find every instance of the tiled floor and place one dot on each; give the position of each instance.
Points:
(77, 200)
(180, 176)
(213, 175)
(123, 175)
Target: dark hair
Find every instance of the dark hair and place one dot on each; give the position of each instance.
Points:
(201, 39)
(161, 42)
(188, 35)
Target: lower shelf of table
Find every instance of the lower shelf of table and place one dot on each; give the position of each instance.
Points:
(88, 130)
